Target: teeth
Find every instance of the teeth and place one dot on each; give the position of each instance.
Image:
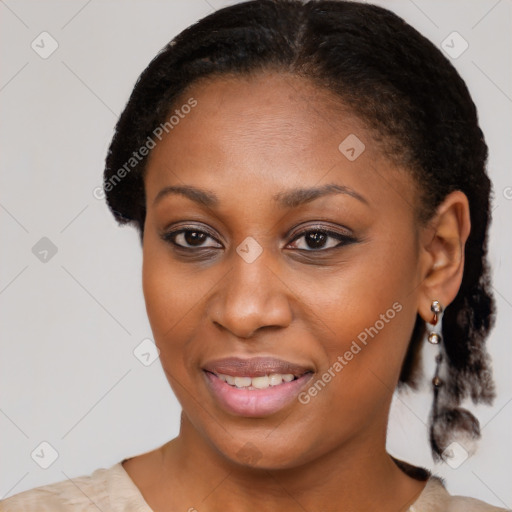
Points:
(275, 379)
(242, 382)
(263, 382)
(260, 382)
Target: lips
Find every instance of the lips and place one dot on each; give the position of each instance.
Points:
(255, 367)
(255, 387)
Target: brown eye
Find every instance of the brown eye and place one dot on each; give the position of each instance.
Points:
(316, 239)
(320, 239)
(194, 238)
(190, 238)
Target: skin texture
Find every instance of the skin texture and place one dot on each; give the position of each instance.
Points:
(247, 140)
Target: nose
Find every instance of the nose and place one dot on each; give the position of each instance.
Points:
(252, 297)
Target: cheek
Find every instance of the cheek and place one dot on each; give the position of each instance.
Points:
(169, 296)
(176, 296)
(161, 294)
(367, 296)
(171, 290)
(370, 310)
(169, 306)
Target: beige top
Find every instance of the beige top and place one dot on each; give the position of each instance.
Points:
(112, 490)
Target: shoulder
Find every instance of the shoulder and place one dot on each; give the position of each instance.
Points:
(104, 489)
(435, 498)
(83, 493)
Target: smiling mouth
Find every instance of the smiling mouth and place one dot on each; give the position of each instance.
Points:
(255, 387)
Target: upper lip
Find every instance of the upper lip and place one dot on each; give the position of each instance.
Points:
(254, 367)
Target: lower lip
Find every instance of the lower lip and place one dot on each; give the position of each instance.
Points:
(255, 402)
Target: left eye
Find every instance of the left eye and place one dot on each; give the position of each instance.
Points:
(319, 239)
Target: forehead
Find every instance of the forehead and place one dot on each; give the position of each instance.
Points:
(266, 132)
(262, 110)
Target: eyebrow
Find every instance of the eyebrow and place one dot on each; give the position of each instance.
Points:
(289, 199)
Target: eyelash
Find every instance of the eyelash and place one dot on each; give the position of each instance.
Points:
(343, 239)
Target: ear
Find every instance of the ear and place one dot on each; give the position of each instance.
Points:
(442, 244)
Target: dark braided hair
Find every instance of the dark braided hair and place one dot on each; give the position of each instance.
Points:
(407, 93)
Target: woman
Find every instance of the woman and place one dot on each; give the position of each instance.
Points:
(311, 211)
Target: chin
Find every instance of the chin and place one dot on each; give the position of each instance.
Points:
(260, 452)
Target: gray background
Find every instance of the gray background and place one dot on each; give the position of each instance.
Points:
(70, 324)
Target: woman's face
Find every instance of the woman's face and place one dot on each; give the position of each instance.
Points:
(278, 247)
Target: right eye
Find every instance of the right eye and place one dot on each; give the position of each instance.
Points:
(190, 238)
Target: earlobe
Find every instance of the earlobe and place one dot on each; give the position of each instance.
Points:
(442, 252)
